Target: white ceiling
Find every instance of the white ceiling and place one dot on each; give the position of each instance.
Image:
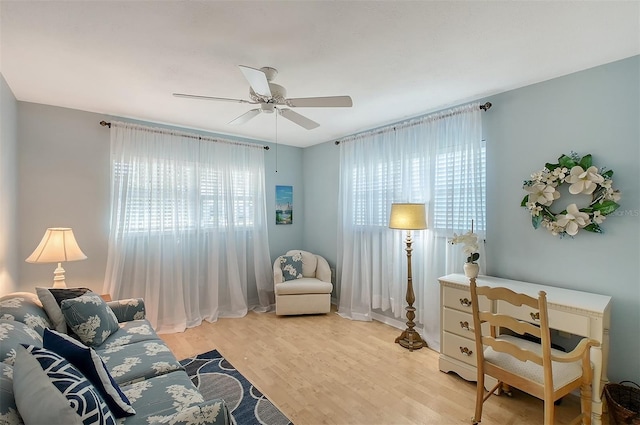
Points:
(395, 59)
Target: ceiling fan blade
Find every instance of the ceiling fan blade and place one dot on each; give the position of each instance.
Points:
(298, 119)
(257, 80)
(224, 99)
(322, 102)
(245, 117)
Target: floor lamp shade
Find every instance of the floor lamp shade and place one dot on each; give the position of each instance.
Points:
(409, 217)
(57, 245)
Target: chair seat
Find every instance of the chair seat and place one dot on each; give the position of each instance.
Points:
(563, 373)
(305, 285)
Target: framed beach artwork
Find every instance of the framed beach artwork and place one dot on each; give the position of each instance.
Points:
(284, 204)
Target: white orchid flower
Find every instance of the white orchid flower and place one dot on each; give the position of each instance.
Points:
(470, 249)
(542, 194)
(584, 181)
(572, 220)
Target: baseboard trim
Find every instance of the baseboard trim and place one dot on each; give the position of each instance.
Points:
(396, 323)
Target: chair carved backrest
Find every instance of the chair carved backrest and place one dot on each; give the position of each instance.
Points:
(499, 322)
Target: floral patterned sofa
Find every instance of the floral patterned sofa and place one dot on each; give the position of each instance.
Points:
(146, 372)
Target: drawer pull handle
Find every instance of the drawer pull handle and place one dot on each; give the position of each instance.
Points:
(464, 325)
(466, 351)
(465, 302)
(535, 316)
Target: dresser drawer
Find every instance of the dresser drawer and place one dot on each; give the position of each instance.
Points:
(560, 320)
(458, 322)
(459, 348)
(460, 299)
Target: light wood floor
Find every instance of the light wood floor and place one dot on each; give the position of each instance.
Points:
(323, 369)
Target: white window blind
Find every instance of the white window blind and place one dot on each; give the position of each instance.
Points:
(374, 188)
(455, 203)
(163, 198)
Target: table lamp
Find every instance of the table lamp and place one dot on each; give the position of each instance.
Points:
(57, 245)
(409, 217)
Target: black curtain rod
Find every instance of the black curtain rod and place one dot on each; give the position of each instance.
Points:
(485, 107)
(265, 147)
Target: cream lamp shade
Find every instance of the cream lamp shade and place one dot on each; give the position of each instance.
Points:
(57, 245)
(408, 217)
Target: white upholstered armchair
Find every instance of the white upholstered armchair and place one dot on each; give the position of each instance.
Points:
(302, 283)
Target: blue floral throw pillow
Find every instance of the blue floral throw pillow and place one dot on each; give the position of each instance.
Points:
(291, 266)
(90, 318)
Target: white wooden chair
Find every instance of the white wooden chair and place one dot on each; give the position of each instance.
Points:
(534, 368)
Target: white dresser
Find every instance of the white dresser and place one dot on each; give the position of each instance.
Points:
(571, 312)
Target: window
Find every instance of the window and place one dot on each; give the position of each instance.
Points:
(454, 170)
(164, 198)
(374, 189)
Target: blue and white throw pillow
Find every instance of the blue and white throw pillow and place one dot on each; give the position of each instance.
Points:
(90, 318)
(47, 387)
(91, 365)
(291, 266)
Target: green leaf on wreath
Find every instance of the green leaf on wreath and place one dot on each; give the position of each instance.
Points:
(585, 162)
(550, 166)
(536, 220)
(606, 207)
(593, 227)
(566, 161)
(608, 174)
(524, 201)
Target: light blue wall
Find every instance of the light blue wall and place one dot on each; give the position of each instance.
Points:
(289, 163)
(63, 180)
(8, 188)
(594, 111)
(321, 179)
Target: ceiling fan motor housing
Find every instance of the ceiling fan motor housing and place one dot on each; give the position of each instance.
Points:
(278, 95)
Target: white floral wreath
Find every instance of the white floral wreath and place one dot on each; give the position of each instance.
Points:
(584, 178)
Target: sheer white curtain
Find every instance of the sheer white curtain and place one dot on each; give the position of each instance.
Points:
(438, 160)
(188, 226)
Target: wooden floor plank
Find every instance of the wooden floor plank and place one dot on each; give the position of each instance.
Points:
(324, 369)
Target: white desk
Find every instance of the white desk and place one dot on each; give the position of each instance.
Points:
(574, 312)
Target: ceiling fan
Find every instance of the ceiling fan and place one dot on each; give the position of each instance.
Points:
(269, 96)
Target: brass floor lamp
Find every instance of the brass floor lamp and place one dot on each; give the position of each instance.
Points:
(409, 217)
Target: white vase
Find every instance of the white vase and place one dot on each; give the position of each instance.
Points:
(471, 270)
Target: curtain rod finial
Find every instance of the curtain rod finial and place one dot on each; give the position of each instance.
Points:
(104, 123)
(486, 106)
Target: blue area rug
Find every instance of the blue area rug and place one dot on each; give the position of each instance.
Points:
(217, 378)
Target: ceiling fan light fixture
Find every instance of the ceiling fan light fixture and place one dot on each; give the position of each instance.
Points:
(268, 108)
